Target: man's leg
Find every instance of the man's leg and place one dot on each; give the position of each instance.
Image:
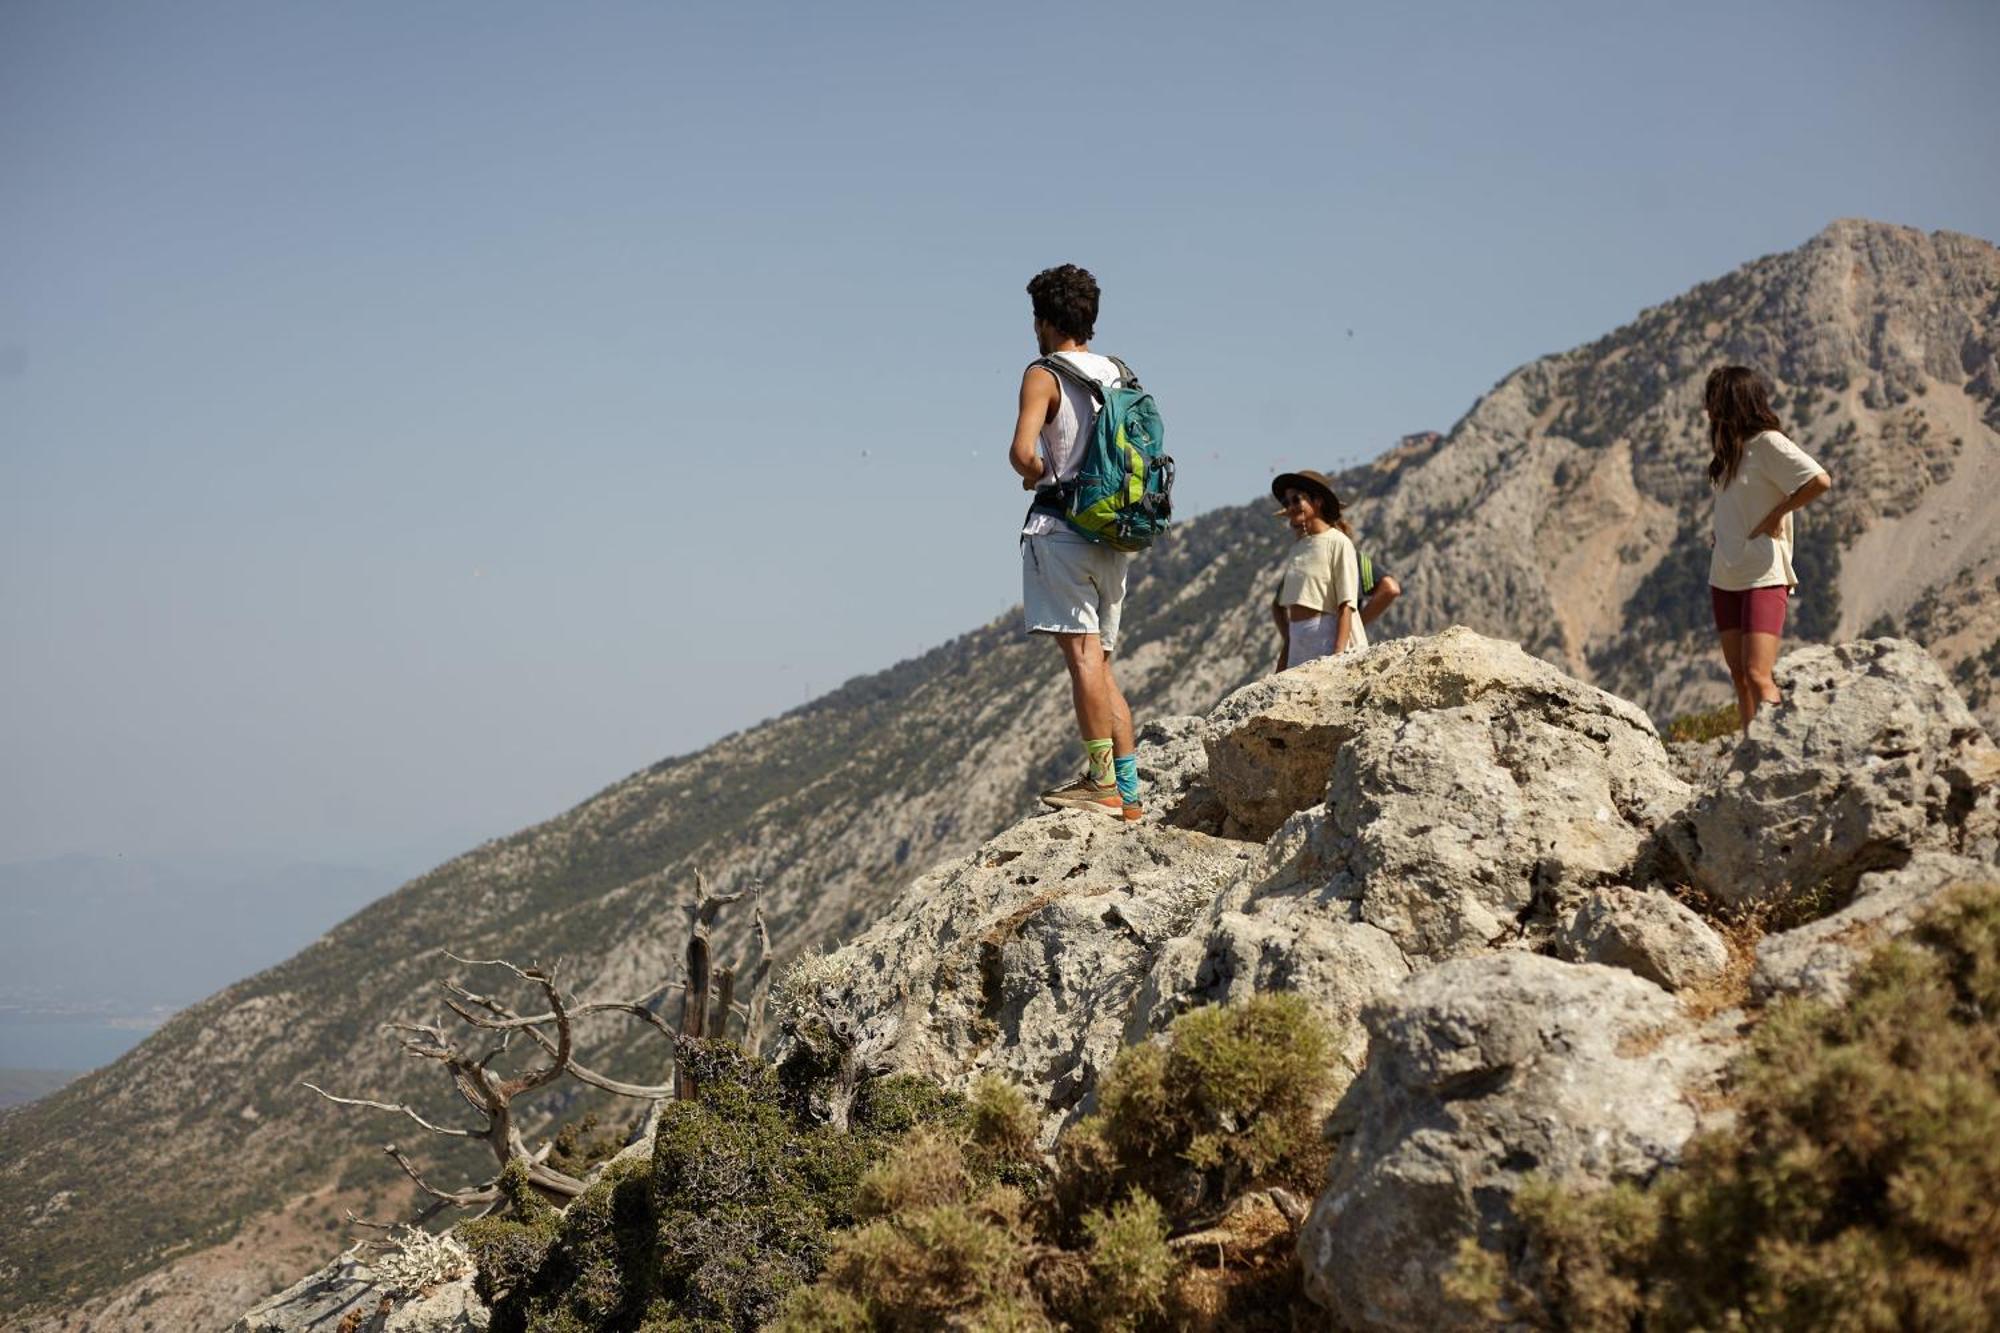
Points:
(1103, 719)
(1123, 738)
(1125, 757)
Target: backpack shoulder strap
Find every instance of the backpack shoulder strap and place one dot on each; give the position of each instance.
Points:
(1062, 369)
(1126, 379)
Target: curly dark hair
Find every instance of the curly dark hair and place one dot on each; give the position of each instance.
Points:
(1066, 296)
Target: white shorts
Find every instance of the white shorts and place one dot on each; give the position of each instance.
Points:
(1071, 585)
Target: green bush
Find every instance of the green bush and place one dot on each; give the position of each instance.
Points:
(1231, 1102)
(930, 1210)
(940, 1248)
(736, 1207)
(1711, 725)
(1858, 1189)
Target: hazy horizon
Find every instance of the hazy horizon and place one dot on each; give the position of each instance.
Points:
(413, 421)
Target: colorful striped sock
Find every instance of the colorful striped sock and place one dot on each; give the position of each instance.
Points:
(1127, 768)
(1097, 761)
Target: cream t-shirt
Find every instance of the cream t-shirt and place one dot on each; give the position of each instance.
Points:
(1322, 574)
(1772, 468)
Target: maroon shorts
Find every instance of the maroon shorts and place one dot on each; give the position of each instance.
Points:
(1753, 610)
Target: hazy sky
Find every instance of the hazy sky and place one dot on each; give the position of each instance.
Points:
(415, 417)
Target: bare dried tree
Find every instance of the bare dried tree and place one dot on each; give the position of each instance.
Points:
(495, 1097)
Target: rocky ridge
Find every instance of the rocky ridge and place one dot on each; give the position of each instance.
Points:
(1542, 1005)
(1554, 1006)
(1561, 512)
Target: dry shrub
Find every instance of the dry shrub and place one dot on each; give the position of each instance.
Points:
(1232, 1101)
(1858, 1189)
(1711, 725)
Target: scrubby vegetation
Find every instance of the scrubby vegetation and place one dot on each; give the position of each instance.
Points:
(734, 1209)
(1859, 1188)
(1711, 725)
(930, 1209)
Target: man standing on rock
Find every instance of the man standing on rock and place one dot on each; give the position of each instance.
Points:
(1074, 588)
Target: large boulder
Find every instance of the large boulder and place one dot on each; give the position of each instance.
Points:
(1024, 958)
(1817, 960)
(1482, 1072)
(1871, 758)
(1272, 744)
(1461, 780)
(1647, 933)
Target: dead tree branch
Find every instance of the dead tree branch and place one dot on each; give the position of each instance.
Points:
(494, 1097)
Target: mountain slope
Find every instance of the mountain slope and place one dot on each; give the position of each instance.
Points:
(1565, 510)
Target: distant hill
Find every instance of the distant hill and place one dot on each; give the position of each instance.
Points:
(1566, 510)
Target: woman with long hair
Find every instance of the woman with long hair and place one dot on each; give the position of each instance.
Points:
(1318, 605)
(1759, 477)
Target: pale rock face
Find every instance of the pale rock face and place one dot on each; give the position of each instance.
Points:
(1871, 758)
(1481, 1072)
(346, 1287)
(1461, 778)
(1272, 744)
(1817, 960)
(1648, 934)
(1173, 773)
(1473, 779)
(1023, 959)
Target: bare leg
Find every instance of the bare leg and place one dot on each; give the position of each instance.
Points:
(1100, 706)
(1123, 739)
(1760, 656)
(1732, 654)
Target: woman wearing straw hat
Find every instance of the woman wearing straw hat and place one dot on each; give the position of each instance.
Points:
(1317, 609)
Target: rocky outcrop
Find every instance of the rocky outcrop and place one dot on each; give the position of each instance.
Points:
(1024, 958)
(348, 1290)
(1469, 781)
(1818, 959)
(1466, 901)
(1871, 759)
(1272, 744)
(1475, 782)
(1646, 933)
(1173, 772)
(1480, 1073)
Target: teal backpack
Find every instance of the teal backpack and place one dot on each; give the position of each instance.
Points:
(1122, 493)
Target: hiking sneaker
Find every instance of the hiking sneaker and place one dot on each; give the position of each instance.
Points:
(1083, 794)
(1133, 812)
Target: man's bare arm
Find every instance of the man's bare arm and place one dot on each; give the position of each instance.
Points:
(1038, 407)
(1386, 591)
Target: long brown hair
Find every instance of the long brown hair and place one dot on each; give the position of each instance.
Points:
(1739, 409)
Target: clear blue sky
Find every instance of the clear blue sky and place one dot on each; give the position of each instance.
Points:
(414, 417)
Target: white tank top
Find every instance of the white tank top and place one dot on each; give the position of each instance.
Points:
(1076, 413)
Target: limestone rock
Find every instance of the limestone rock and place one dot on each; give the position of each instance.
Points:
(347, 1288)
(1481, 1072)
(1464, 780)
(1023, 959)
(1818, 960)
(1272, 745)
(1646, 933)
(1173, 771)
(1341, 965)
(1871, 758)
